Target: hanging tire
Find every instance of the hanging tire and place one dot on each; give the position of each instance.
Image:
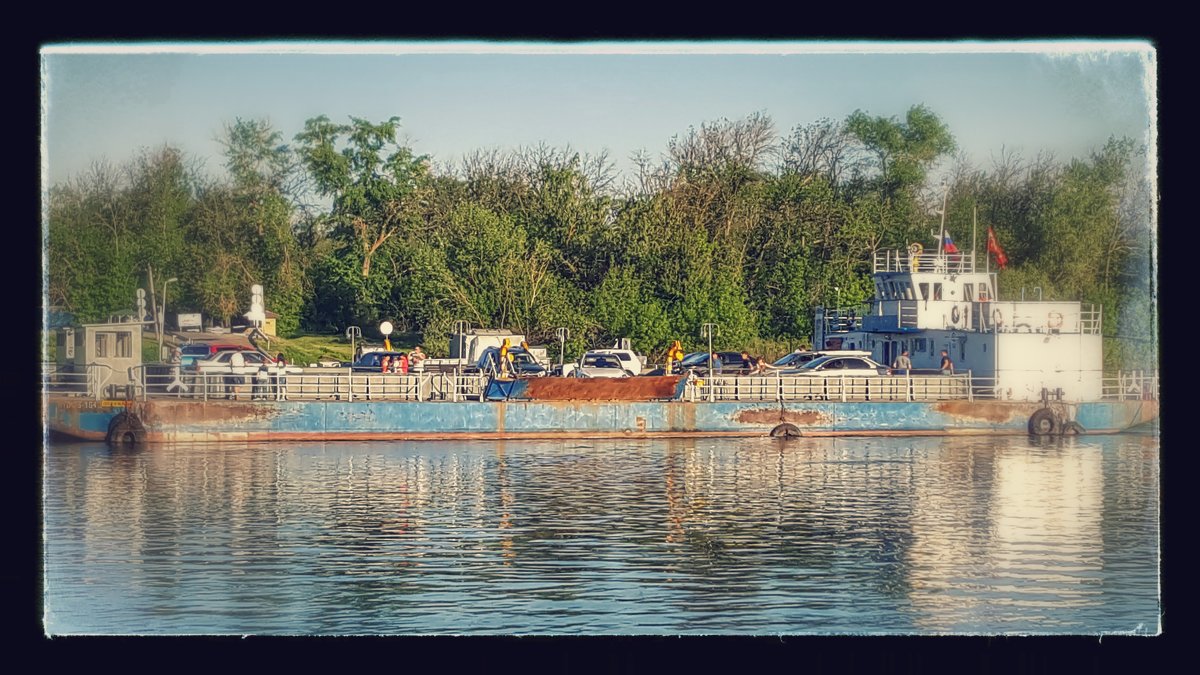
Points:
(125, 429)
(955, 315)
(785, 430)
(1043, 423)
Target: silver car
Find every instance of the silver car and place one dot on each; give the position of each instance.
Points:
(839, 366)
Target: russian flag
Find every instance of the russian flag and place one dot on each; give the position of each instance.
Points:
(948, 243)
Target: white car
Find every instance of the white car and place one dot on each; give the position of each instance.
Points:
(599, 364)
(630, 360)
(838, 366)
(221, 364)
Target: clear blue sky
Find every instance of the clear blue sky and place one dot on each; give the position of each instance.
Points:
(105, 102)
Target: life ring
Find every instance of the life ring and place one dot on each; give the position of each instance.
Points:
(1054, 320)
(785, 430)
(997, 317)
(125, 429)
(955, 315)
(1043, 422)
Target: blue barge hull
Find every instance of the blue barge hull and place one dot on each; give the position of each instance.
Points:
(165, 420)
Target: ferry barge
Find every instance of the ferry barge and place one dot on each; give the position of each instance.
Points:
(1021, 367)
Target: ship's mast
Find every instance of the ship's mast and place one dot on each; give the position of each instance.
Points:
(941, 237)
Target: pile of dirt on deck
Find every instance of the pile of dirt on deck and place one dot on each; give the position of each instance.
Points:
(603, 389)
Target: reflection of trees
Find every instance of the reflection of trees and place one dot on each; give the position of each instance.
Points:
(412, 534)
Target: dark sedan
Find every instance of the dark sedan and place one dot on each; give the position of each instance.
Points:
(726, 363)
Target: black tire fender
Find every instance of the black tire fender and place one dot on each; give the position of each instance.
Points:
(1043, 422)
(785, 430)
(125, 429)
(955, 315)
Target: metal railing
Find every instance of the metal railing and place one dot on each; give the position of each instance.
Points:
(91, 382)
(903, 261)
(342, 384)
(841, 388)
(1130, 386)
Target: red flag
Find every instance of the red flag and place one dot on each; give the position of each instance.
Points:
(993, 247)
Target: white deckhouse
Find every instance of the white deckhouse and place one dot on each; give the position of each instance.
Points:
(927, 302)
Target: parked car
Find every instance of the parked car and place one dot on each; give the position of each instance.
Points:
(522, 361)
(838, 366)
(727, 363)
(631, 362)
(802, 356)
(600, 364)
(199, 351)
(221, 363)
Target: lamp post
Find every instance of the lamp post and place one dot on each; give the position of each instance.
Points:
(162, 318)
(707, 330)
(562, 334)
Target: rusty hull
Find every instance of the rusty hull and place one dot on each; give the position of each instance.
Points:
(602, 389)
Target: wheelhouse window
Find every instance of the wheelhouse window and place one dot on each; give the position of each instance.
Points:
(124, 348)
(968, 291)
(937, 291)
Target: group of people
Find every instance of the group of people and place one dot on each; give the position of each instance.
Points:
(755, 365)
(403, 362)
(268, 381)
(902, 364)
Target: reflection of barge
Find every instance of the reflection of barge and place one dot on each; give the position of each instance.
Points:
(1021, 367)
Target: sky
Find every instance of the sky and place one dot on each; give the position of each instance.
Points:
(108, 101)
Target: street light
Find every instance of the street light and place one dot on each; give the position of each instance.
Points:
(162, 318)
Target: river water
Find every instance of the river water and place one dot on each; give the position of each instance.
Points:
(974, 536)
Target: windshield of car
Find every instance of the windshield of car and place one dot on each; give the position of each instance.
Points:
(695, 359)
(795, 359)
(600, 361)
(817, 363)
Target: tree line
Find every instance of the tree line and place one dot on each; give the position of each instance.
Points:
(734, 224)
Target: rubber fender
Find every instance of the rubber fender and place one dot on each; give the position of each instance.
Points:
(785, 430)
(125, 429)
(1043, 422)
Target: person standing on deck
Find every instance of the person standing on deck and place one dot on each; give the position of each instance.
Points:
(502, 368)
(237, 363)
(947, 365)
(674, 353)
(416, 357)
(280, 378)
(902, 364)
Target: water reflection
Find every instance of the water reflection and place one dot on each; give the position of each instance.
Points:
(669, 536)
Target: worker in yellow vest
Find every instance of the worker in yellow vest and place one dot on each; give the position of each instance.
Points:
(674, 353)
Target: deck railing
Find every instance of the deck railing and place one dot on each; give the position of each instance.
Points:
(342, 384)
(841, 388)
(903, 261)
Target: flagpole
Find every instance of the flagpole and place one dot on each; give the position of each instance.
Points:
(974, 227)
